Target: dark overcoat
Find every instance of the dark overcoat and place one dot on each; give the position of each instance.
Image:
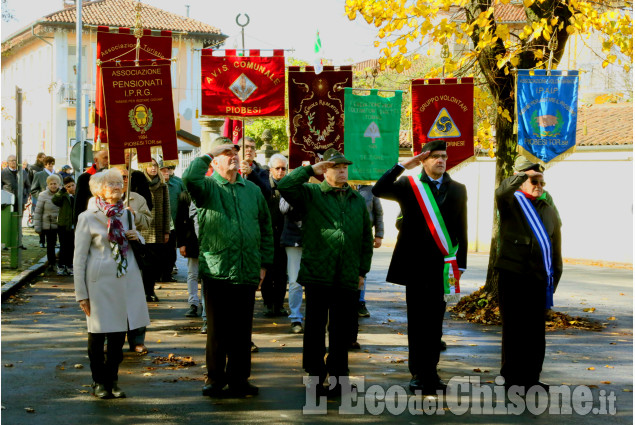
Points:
(416, 251)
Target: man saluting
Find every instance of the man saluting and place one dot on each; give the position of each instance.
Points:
(430, 254)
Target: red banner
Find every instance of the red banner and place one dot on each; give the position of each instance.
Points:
(139, 112)
(444, 110)
(316, 112)
(251, 86)
(112, 47)
(233, 129)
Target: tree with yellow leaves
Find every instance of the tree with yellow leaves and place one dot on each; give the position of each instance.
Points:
(493, 49)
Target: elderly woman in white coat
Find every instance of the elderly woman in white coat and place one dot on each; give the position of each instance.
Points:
(108, 282)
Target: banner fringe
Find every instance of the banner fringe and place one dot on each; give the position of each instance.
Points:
(451, 298)
(462, 164)
(364, 182)
(522, 151)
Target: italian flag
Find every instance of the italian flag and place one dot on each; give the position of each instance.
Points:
(318, 53)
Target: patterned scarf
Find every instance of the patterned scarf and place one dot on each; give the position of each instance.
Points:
(116, 234)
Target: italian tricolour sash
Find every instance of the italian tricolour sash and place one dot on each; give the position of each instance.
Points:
(538, 228)
(434, 220)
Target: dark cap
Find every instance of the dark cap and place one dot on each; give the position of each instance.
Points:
(434, 145)
(66, 167)
(221, 144)
(160, 164)
(335, 156)
(523, 164)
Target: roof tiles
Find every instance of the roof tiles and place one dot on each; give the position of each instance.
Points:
(121, 13)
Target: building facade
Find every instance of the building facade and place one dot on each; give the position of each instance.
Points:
(41, 60)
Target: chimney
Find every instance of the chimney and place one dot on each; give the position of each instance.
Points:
(187, 10)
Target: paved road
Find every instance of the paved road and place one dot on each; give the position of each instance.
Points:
(44, 337)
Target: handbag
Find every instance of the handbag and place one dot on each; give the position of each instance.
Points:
(140, 251)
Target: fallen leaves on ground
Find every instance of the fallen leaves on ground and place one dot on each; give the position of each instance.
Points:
(482, 307)
(175, 361)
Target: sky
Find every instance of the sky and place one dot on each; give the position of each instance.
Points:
(279, 24)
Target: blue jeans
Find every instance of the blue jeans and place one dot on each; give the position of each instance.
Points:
(294, 256)
(362, 293)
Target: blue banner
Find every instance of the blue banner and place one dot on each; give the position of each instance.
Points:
(547, 112)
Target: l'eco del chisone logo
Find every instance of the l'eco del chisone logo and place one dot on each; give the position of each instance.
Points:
(140, 118)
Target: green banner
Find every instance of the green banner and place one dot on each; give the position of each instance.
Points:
(371, 134)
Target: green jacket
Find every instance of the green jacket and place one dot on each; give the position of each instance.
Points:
(66, 203)
(235, 237)
(337, 237)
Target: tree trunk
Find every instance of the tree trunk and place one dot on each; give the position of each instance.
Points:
(505, 154)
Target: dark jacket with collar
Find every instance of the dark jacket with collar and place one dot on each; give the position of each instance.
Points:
(337, 239)
(10, 184)
(416, 249)
(519, 251)
(185, 226)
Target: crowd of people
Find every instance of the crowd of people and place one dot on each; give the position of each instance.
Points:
(245, 227)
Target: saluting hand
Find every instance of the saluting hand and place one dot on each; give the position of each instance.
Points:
(321, 167)
(245, 168)
(532, 173)
(411, 163)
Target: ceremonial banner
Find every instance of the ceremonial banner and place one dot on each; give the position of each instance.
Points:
(116, 48)
(316, 112)
(371, 134)
(444, 109)
(233, 129)
(251, 86)
(139, 111)
(547, 112)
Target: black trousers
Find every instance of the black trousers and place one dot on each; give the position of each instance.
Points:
(426, 309)
(105, 366)
(274, 287)
(355, 324)
(169, 257)
(230, 312)
(337, 307)
(151, 274)
(51, 241)
(67, 246)
(522, 301)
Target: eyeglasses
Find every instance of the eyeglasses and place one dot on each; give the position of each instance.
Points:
(280, 168)
(114, 185)
(538, 182)
(439, 156)
(252, 147)
(124, 177)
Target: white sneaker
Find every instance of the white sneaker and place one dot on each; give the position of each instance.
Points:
(68, 270)
(61, 271)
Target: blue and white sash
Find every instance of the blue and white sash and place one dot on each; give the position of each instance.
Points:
(538, 228)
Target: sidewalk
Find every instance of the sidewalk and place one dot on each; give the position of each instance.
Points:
(45, 365)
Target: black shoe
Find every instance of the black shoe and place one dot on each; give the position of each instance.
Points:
(337, 390)
(152, 298)
(204, 327)
(427, 387)
(355, 346)
(280, 312)
(254, 347)
(116, 391)
(269, 312)
(42, 245)
(444, 346)
(23, 247)
(362, 311)
(214, 390)
(296, 328)
(168, 279)
(100, 391)
(192, 311)
(242, 390)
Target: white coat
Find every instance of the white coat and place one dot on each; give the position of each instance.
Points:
(115, 302)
